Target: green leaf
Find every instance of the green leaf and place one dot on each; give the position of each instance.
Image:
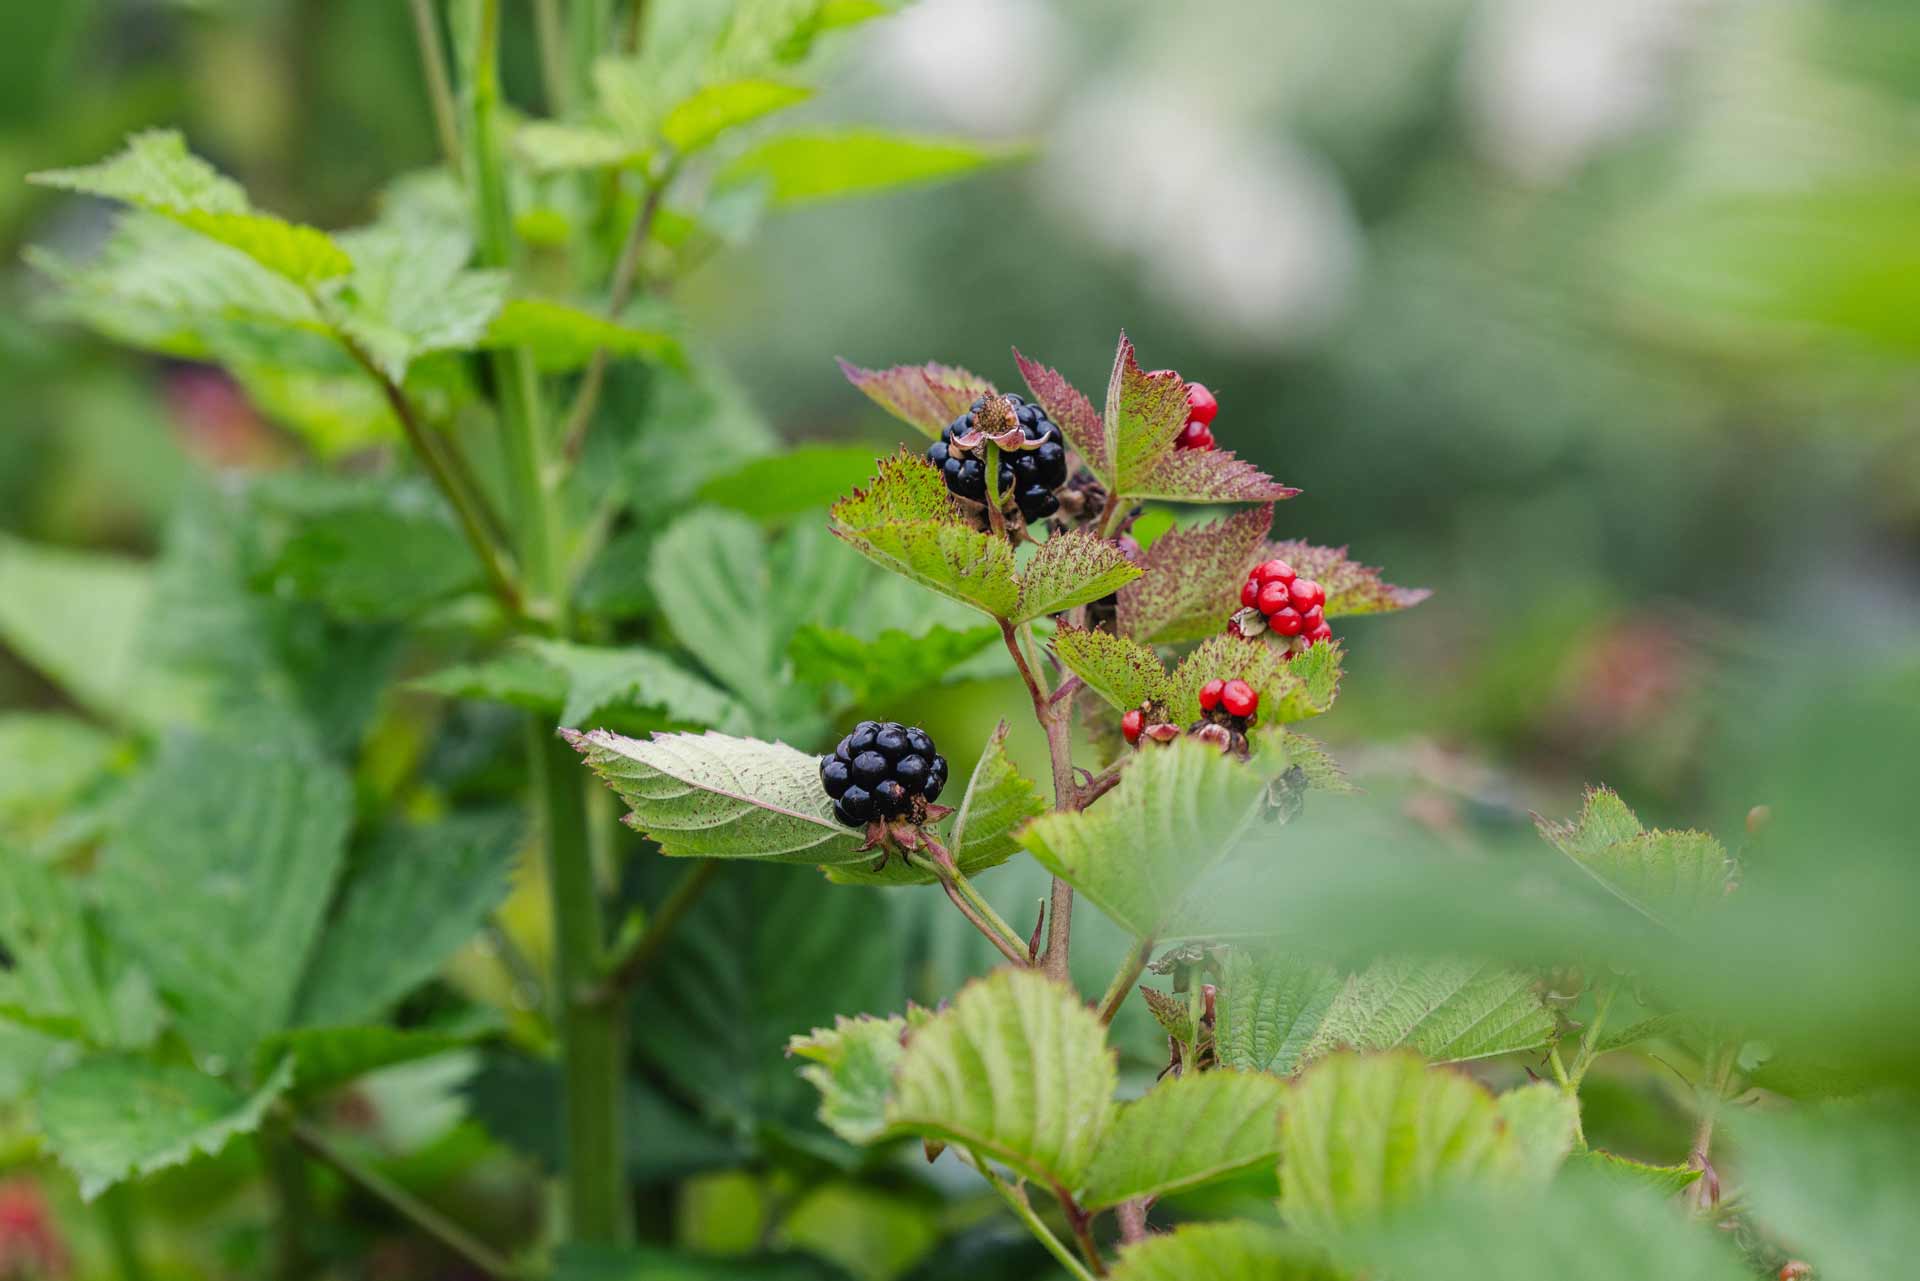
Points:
(1016, 1068)
(412, 293)
(1144, 414)
(1069, 408)
(890, 666)
(1542, 1120)
(47, 761)
(75, 616)
(1172, 1013)
(1179, 809)
(907, 521)
(802, 167)
(221, 891)
(636, 678)
(564, 338)
(999, 799)
(1447, 1010)
(1352, 588)
(1191, 578)
(802, 479)
(518, 676)
(852, 1067)
(326, 1058)
(1672, 877)
(1837, 1181)
(53, 980)
(709, 571)
(1123, 671)
(377, 560)
(552, 147)
(113, 1117)
(714, 796)
(1186, 1132)
(1661, 1180)
(416, 896)
(156, 172)
(695, 122)
(1270, 1005)
(1363, 1135)
(928, 396)
(1238, 1250)
(1071, 569)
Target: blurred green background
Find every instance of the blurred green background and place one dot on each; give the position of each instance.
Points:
(1598, 319)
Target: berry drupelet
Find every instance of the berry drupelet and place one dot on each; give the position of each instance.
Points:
(1030, 471)
(1284, 602)
(882, 770)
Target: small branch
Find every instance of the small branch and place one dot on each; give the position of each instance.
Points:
(423, 1216)
(1059, 932)
(626, 272)
(1009, 950)
(1123, 980)
(996, 519)
(433, 62)
(1583, 1058)
(1102, 783)
(117, 1218)
(521, 971)
(1067, 689)
(549, 35)
(1133, 1220)
(1082, 1224)
(625, 971)
(968, 899)
(1022, 1208)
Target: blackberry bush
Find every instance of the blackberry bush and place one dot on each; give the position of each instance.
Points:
(883, 769)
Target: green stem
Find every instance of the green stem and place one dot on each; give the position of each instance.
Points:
(551, 37)
(598, 1205)
(1124, 978)
(409, 1207)
(433, 61)
(1196, 1008)
(624, 971)
(590, 37)
(123, 1244)
(286, 1174)
(1023, 1209)
(1603, 994)
(971, 905)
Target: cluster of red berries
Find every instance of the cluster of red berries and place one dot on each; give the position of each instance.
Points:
(1201, 407)
(1291, 605)
(1235, 698)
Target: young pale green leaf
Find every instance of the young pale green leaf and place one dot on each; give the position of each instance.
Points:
(999, 799)
(1186, 1132)
(1016, 1068)
(1191, 578)
(1447, 1010)
(1072, 412)
(418, 895)
(803, 167)
(794, 481)
(1290, 689)
(1542, 1120)
(1363, 1135)
(157, 173)
(1208, 476)
(1671, 877)
(1071, 569)
(697, 121)
(1270, 1005)
(1235, 1250)
(1352, 588)
(1144, 413)
(326, 1058)
(928, 396)
(1661, 1180)
(852, 1067)
(221, 891)
(907, 521)
(412, 293)
(75, 616)
(1179, 809)
(890, 666)
(114, 1117)
(1838, 1181)
(1124, 672)
(564, 338)
(549, 146)
(715, 796)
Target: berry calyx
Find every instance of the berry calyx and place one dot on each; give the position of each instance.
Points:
(1131, 723)
(1195, 435)
(1033, 465)
(881, 770)
(1201, 405)
(1238, 697)
(1210, 695)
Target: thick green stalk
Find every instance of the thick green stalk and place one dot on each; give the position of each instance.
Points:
(590, 1032)
(117, 1219)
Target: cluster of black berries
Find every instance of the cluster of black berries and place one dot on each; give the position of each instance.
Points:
(1028, 475)
(879, 770)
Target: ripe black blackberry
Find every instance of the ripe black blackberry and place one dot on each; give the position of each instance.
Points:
(881, 770)
(1029, 472)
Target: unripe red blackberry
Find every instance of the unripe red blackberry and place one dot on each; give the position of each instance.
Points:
(1306, 594)
(1238, 698)
(1201, 405)
(1288, 605)
(1210, 695)
(1195, 435)
(881, 770)
(1131, 723)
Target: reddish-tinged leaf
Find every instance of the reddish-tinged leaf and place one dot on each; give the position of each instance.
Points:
(1208, 476)
(926, 396)
(1352, 588)
(1290, 690)
(1192, 578)
(1068, 406)
(1144, 413)
(1122, 671)
(1072, 569)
